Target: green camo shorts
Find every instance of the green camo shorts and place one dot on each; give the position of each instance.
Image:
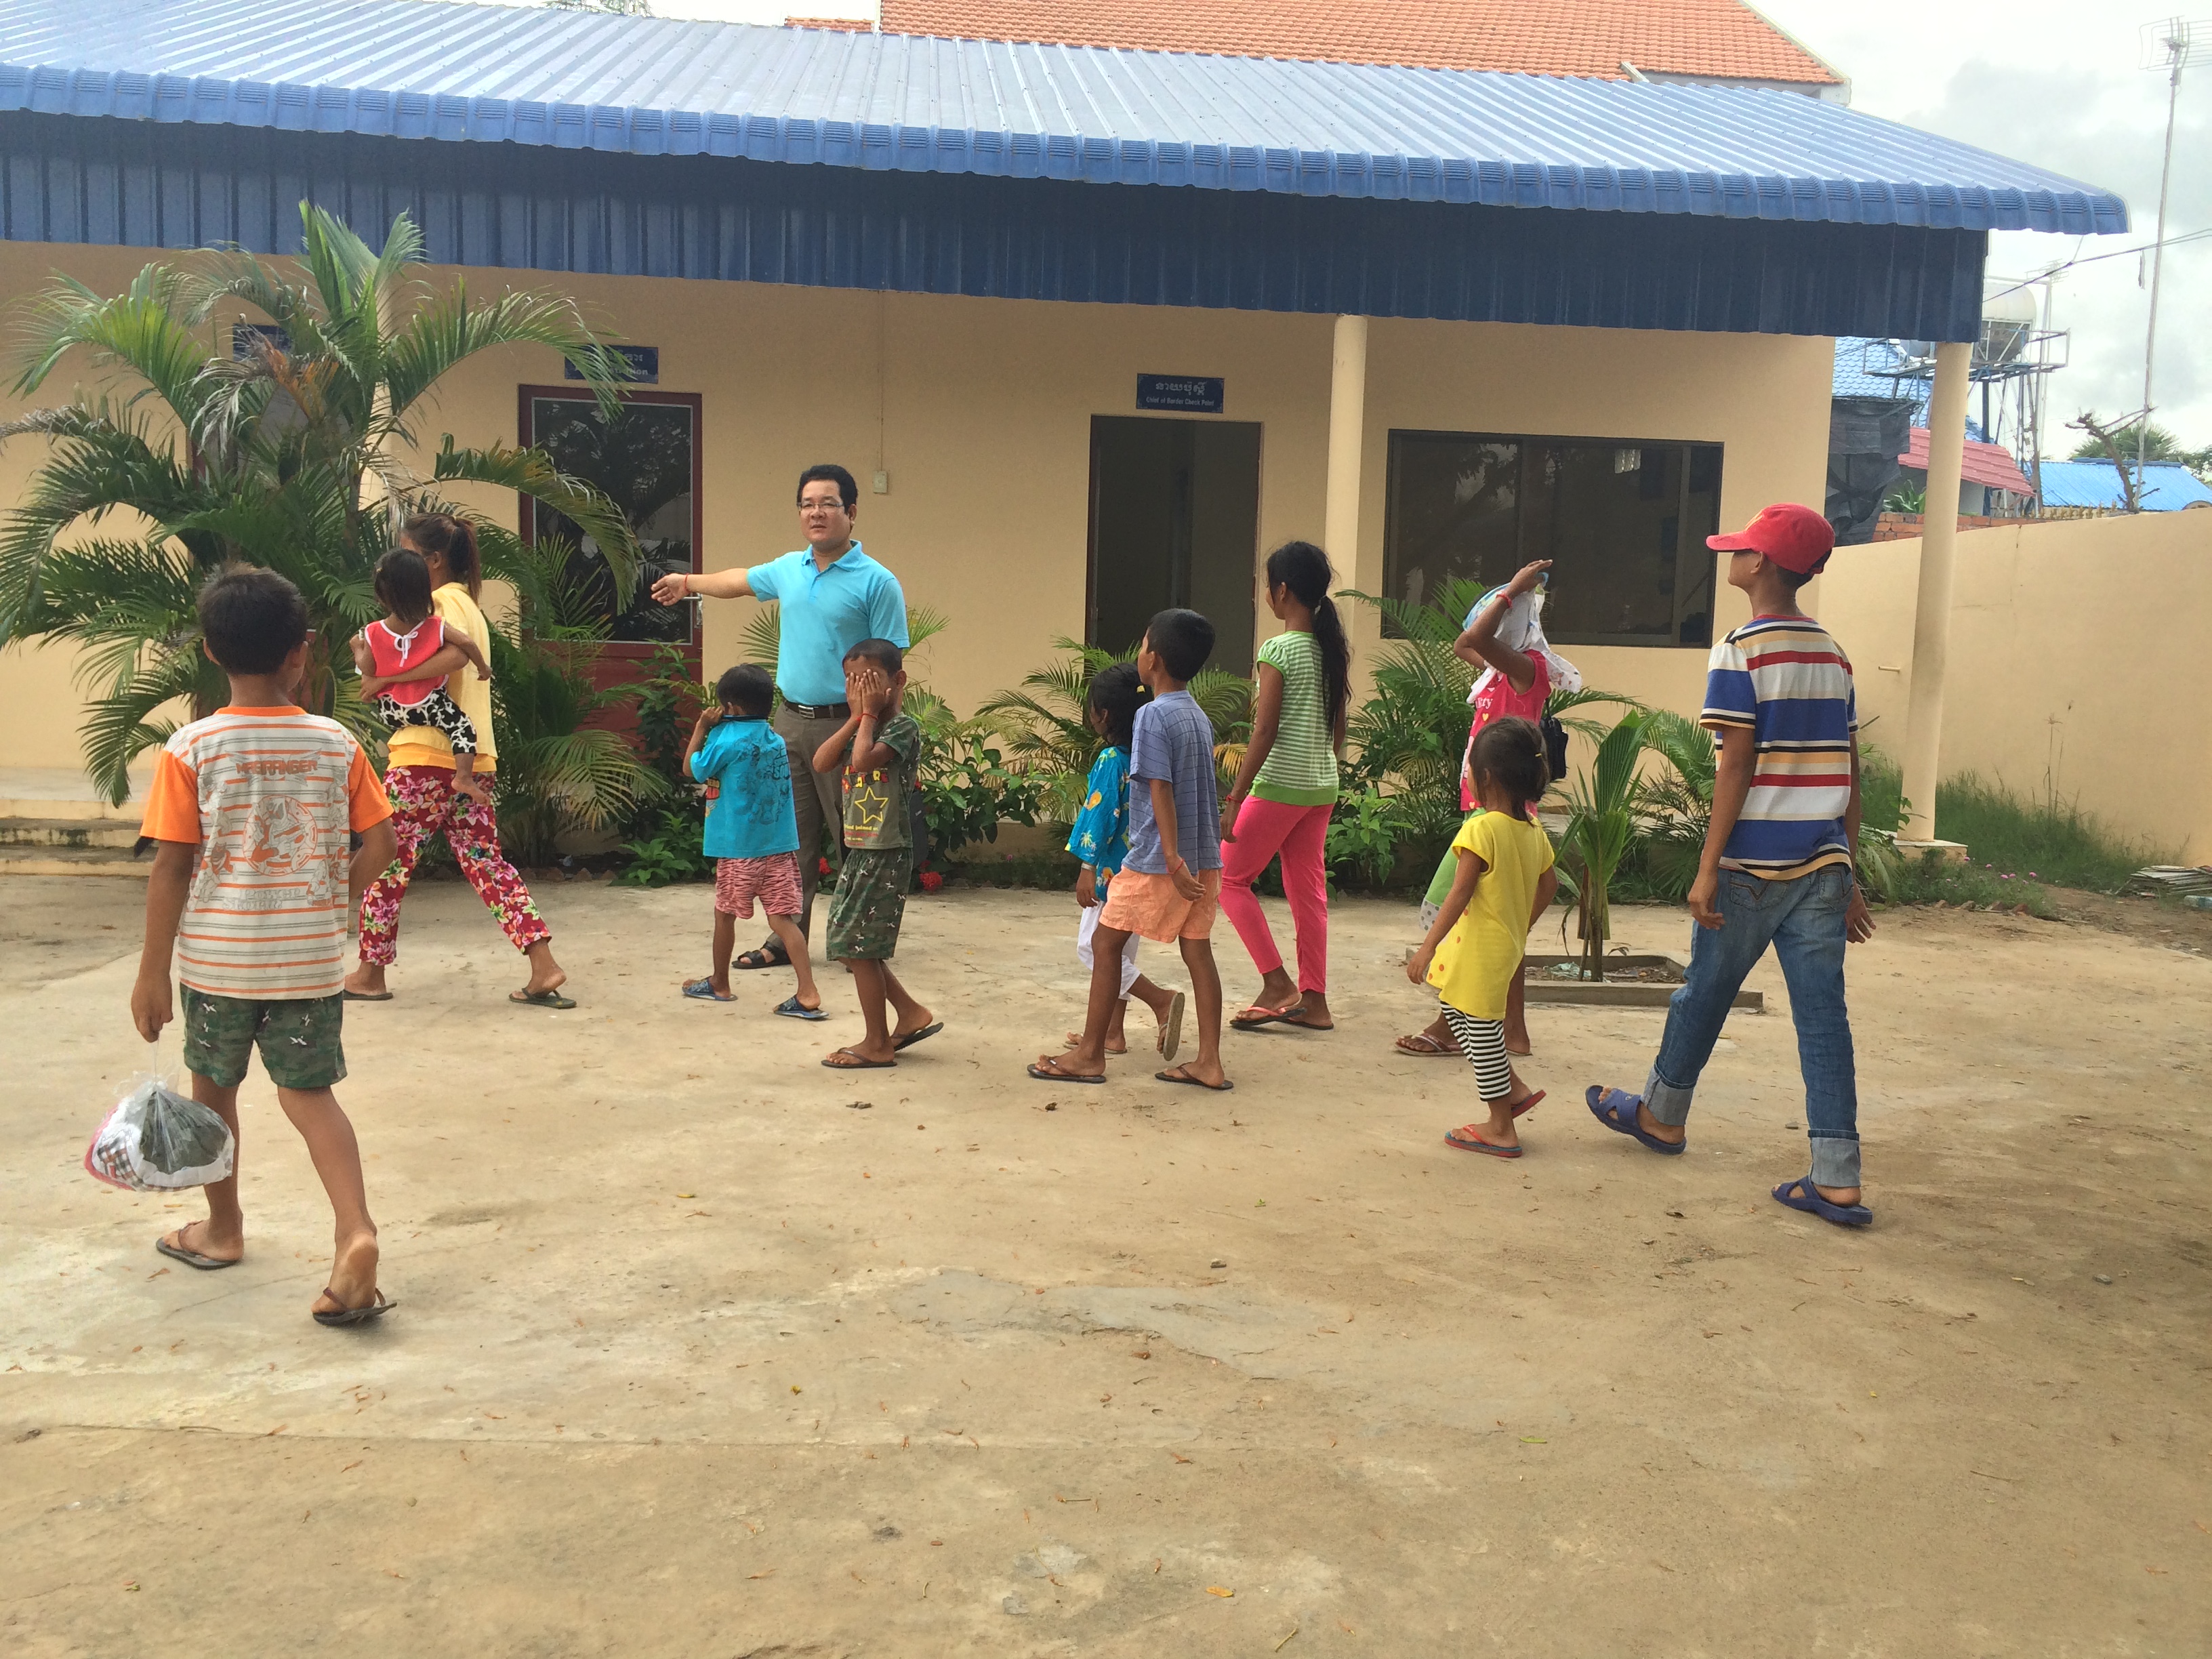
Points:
(870, 899)
(299, 1045)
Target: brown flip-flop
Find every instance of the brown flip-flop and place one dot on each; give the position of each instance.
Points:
(1434, 1050)
(190, 1258)
(1180, 1075)
(855, 1063)
(360, 1315)
(1046, 1070)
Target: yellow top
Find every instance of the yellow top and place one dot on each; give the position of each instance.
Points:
(425, 745)
(1475, 966)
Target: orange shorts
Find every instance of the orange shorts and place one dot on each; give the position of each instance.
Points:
(1149, 906)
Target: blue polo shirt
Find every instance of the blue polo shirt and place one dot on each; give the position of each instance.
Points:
(822, 614)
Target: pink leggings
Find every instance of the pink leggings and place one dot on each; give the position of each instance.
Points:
(1300, 834)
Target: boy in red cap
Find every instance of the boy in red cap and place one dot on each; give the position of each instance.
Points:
(1776, 868)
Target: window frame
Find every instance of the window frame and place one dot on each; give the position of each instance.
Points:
(525, 431)
(1683, 592)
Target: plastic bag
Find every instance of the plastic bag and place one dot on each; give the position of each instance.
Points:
(157, 1140)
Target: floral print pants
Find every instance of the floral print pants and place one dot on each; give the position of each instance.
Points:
(423, 803)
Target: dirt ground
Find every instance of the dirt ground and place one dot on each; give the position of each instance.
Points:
(702, 1350)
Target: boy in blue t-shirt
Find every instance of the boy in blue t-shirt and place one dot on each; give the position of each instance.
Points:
(752, 831)
(1777, 863)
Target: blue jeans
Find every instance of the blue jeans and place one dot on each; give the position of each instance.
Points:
(1803, 919)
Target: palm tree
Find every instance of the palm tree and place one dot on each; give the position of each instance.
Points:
(290, 451)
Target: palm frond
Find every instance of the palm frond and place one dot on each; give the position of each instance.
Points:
(531, 472)
(120, 727)
(762, 634)
(450, 330)
(141, 329)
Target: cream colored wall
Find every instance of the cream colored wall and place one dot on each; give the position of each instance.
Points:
(980, 412)
(2077, 665)
(37, 688)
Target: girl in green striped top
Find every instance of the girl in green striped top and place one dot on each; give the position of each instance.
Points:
(1286, 788)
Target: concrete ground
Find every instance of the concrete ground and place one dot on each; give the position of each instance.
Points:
(704, 1350)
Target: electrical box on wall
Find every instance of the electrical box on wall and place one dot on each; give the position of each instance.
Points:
(881, 484)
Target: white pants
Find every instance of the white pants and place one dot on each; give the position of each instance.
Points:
(1085, 928)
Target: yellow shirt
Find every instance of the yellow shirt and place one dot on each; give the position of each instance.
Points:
(1475, 966)
(425, 745)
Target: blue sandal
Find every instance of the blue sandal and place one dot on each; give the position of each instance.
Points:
(792, 1008)
(1616, 1109)
(1802, 1194)
(702, 990)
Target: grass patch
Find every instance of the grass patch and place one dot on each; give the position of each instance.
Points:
(1932, 880)
(2006, 834)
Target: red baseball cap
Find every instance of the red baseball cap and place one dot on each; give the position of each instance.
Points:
(1795, 537)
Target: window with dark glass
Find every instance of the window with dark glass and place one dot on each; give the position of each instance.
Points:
(1623, 519)
(646, 460)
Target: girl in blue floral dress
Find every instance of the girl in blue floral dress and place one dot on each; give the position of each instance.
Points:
(1101, 838)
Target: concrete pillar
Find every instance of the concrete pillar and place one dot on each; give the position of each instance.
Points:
(1347, 427)
(1931, 616)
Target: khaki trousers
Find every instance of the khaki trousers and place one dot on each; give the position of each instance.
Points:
(815, 797)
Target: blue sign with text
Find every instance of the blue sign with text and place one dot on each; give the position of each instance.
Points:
(1194, 394)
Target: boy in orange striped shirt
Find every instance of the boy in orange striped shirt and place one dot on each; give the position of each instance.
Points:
(251, 890)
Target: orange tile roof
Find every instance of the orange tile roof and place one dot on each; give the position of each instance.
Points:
(1722, 39)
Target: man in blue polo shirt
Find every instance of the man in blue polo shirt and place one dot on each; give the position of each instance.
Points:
(829, 595)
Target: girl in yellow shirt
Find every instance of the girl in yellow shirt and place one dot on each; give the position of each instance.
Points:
(1473, 952)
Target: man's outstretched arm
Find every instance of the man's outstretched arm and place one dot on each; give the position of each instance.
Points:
(680, 585)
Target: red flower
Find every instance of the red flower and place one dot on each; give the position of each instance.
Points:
(930, 881)
(822, 867)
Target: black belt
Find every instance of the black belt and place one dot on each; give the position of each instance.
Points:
(819, 711)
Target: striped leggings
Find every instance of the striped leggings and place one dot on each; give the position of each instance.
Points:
(1483, 1042)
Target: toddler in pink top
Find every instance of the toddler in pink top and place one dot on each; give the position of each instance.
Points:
(404, 659)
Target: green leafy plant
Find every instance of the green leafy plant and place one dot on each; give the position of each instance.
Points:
(557, 771)
(1364, 832)
(1907, 498)
(291, 450)
(1601, 821)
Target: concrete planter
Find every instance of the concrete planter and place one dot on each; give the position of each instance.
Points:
(1616, 993)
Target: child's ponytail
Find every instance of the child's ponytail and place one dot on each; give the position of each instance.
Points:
(454, 538)
(1303, 569)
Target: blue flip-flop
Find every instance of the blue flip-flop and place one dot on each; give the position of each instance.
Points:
(702, 990)
(792, 1008)
(1802, 1194)
(1616, 1109)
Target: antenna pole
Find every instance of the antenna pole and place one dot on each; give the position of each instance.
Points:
(2176, 49)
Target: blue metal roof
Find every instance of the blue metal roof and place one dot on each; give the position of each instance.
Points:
(1855, 360)
(2167, 486)
(664, 87)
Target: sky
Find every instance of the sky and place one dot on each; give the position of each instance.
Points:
(2054, 83)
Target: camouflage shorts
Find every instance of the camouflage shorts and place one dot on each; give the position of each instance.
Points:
(866, 910)
(299, 1045)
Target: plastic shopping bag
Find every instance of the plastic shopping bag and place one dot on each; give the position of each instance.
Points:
(156, 1140)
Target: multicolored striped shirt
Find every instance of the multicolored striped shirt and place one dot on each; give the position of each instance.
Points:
(270, 795)
(1787, 681)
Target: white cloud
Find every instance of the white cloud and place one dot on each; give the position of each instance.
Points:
(2057, 84)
